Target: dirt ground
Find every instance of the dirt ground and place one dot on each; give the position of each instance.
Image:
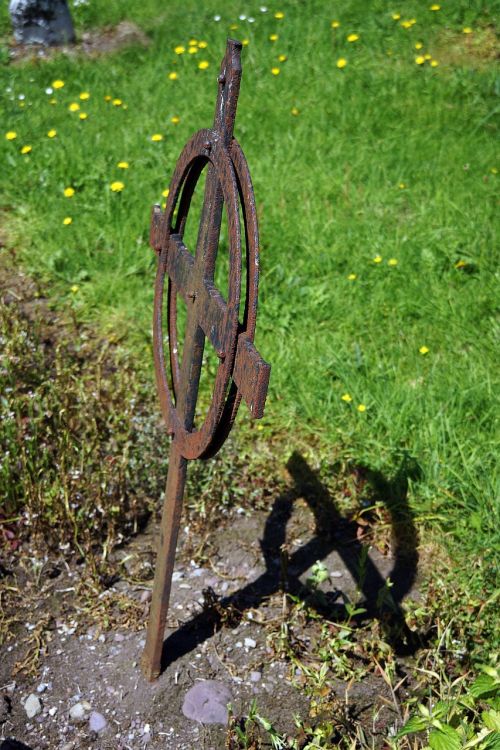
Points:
(92, 44)
(102, 669)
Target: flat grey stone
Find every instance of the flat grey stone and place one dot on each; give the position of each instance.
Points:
(97, 722)
(207, 701)
(32, 706)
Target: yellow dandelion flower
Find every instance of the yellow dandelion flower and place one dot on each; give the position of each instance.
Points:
(69, 192)
(282, 58)
(166, 192)
(467, 30)
(52, 133)
(203, 64)
(11, 135)
(392, 262)
(193, 42)
(173, 76)
(418, 45)
(341, 63)
(295, 111)
(202, 45)
(122, 165)
(361, 407)
(424, 350)
(335, 24)
(377, 259)
(107, 98)
(84, 96)
(117, 186)
(75, 288)
(117, 102)
(396, 16)
(402, 186)
(420, 59)
(353, 37)
(347, 398)
(175, 120)
(435, 6)
(245, 42)
(179, 50)
(434, 63)
(74, 107)
(157, 137)
(67, 221)
(352, 277)
(53, 101)
(273, 37)
(192, 50)
(83, 115)
(279, 15)
(275, 71)
(57, 84)
(26, 149)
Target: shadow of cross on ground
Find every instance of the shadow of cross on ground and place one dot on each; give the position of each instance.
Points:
(333, 532)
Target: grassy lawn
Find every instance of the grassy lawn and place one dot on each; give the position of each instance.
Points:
(375, 169)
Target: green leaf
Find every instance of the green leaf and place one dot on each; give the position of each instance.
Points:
(445, 738)
(414, 724)
(493, 741)
(484, 685)
(492, 719)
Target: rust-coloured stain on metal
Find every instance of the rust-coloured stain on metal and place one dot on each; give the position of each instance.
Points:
(228, 325)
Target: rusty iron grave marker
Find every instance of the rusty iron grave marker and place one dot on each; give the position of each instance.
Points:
(241, 373)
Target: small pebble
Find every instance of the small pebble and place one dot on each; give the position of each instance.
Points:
(77, 712)
(255, 676)
(97, 722)
(32, 706)
(250, 643)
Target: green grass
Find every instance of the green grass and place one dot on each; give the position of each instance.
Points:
(328, 183)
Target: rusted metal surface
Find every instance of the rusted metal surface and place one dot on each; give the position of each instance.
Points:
(229, 325)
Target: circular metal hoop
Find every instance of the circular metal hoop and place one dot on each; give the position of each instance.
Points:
(234, 180)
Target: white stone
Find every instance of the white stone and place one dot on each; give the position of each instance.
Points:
(77, 712)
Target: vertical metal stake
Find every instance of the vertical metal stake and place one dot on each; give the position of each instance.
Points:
(170, 520)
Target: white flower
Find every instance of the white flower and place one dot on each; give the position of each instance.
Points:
(217, 18)
(49, 90)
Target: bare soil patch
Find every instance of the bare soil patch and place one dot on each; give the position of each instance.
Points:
(92, 44)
